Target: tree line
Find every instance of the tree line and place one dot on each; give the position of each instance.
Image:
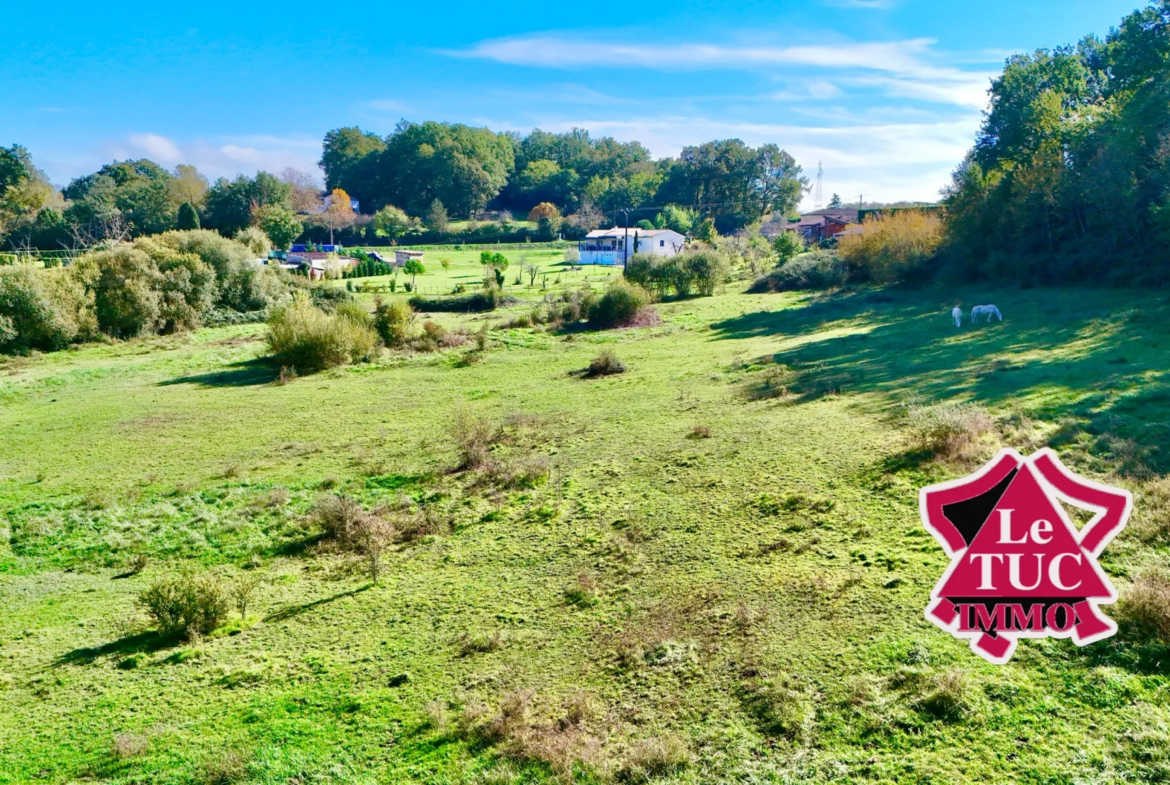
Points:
(1069, 177)
(416, 180)
(429, 166)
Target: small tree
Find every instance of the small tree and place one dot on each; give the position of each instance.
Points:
(340, 211)
(280, 224)
(392, 223)
(532, 271)
(835, 202)
(414, 267)
(437, 217)
(188, 217)
(446, 264)
(788, 245)
(244, 591)
(543, 210)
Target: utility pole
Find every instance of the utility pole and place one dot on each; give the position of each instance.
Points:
(626, 242)
(819, 196)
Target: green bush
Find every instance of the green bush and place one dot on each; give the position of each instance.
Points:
(127, 288)
(42, 309)
(816, 270)
(487, 299)
(256, 241)
(700, 271)
(392, 321)
(186, 603)
(618, 306)
(308, 339)
(705, 270)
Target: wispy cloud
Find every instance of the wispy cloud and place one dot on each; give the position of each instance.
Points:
(907, 69)
(225, 157)
(553, 51)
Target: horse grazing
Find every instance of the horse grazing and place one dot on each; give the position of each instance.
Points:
(985, 310)
(957, 315)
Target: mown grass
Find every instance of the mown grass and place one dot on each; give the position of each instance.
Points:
(719, 556)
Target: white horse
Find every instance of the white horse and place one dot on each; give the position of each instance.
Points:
(985, 310)
(957, 315)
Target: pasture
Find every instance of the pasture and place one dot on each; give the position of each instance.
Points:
(552, 272)
(721, 579)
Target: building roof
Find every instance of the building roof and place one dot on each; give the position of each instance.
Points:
(620, 231)
(843, 214)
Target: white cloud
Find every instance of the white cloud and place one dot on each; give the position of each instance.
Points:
(551, 51)
(159, 148)
(225, 158)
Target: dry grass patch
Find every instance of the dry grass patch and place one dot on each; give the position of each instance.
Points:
(1147, 603)
(947, 430)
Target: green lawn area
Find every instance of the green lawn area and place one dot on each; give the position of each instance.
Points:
(465, 268)
(725, 566)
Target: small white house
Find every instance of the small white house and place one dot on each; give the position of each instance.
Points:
(615, 246)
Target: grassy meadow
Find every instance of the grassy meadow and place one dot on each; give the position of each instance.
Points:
(553, 272)
(722, 578)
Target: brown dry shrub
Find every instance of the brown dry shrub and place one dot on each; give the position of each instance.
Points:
(605, 364)
(948, 430)
(1147, 603)
(474, 435)
(129, 745)
(658, 756)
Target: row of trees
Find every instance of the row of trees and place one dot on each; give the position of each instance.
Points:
(136, 198)
(1072, 164)
(435, 170)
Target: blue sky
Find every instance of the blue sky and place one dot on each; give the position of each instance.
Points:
(886, 93)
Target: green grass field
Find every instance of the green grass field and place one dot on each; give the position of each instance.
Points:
(553, 273)
(725, 567)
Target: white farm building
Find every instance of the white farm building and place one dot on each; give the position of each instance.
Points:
(615, 246)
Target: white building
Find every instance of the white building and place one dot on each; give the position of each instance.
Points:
(609, 246)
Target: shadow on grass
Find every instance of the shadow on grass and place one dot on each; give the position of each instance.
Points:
(296, 610)
(246, 373)
(141, 643)
(1131, 649)
(1097, 356)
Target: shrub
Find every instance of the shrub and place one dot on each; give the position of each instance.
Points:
(487, 299)
(704, 270)
(946, 695)
(947, 429)
(655, 757)
(306, 338)
(892, 246)
(816, 270)
(186, 603)
(788, 246)
(338, 517)
(256, 241)
(42, 309)
(605, 364)
(780, 707)
(701, 271)
(392, 321)
(1147, 603)
(618, 306)
(473, 435)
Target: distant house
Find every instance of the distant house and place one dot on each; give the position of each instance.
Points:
(615, 246)
(822, 224)
(402, 256)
